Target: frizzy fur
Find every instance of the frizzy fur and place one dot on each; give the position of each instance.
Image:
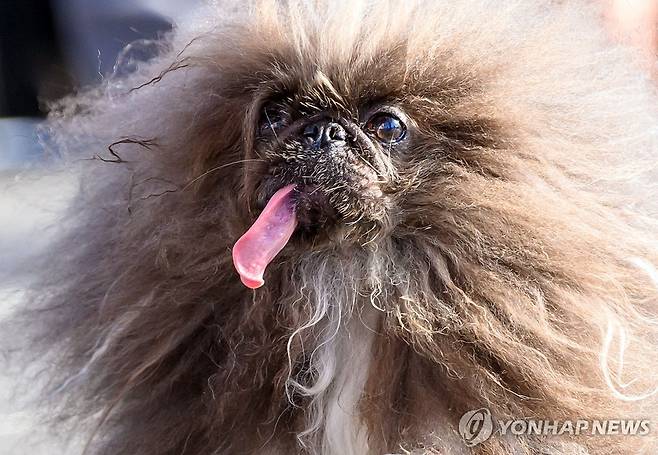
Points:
(498, 285)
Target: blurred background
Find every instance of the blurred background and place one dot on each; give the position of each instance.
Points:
(48, 48)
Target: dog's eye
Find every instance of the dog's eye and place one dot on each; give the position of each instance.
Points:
(272, 119)
(387, 128)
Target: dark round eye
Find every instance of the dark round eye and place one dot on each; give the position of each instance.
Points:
(272, 119)
(387, 128)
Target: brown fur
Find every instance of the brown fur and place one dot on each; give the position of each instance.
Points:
(504, 258)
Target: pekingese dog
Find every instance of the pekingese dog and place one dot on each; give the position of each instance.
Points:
(336, 227)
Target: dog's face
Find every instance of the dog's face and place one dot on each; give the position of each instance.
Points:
(371, 144)
(342, 160)
(367, 147)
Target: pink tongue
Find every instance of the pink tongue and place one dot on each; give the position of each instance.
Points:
(266, 238)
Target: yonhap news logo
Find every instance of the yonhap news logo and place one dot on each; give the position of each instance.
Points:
(478, 425)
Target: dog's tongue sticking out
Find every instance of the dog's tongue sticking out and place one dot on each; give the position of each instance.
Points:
(265, 238)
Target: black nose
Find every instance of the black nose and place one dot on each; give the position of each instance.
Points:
(324, 133)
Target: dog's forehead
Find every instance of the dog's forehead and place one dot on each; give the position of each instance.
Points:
(327, 75)
(319, 89)
(350, 85)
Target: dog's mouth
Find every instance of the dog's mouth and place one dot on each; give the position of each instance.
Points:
(295, 212)
(295, 208)
(314, 206)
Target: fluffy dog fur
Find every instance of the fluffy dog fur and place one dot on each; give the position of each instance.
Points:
(510, 268)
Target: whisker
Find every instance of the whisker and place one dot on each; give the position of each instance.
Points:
(217, 168)
(269, 122)
(368, 163)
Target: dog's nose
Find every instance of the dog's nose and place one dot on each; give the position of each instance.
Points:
(324, 133)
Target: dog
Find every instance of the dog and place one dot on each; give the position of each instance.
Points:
(335, 227)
